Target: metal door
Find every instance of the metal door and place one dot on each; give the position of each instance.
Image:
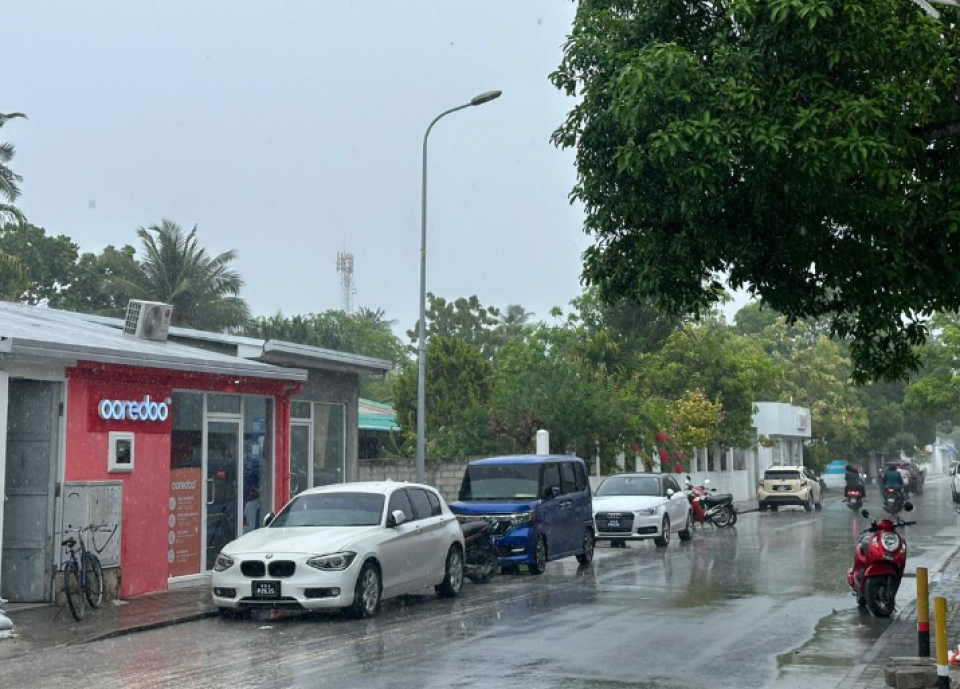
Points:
(32, 429)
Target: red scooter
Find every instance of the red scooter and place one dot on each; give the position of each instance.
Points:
(879, 561)
(705, 507)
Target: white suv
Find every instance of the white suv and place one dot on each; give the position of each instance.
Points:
(789, 486)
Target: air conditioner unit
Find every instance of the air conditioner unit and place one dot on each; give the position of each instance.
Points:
(148, 320)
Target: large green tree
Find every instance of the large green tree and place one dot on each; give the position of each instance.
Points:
(806, 150)
(173, 268)
(48, 261)
(458, 392)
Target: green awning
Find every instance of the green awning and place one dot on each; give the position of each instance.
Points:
(376, 416)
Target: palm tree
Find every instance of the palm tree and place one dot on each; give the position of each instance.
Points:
(512, 321)
(8, 178)
(174, 269)
(377, 318)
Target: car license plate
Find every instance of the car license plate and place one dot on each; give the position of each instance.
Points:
(266, 589)
(781, 488)
(613, 524)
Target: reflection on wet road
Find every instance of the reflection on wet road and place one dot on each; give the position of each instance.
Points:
(764, 604)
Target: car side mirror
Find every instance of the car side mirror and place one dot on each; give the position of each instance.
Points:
(396, 518)
(268, 518)
(670, 492)
(908, 506)
(553, 492)
(865, 513)
(689, 480)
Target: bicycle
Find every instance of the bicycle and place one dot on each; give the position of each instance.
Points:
(82, 574)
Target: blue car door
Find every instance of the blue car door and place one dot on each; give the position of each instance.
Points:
(572, 505)
(552, 525)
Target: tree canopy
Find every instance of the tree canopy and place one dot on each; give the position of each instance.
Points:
(807, 151)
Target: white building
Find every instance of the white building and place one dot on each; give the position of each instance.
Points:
(781, 430)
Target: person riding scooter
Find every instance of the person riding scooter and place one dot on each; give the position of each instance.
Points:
(854, 482)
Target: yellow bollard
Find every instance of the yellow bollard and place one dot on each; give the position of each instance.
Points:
(940, 618)
(923, 614)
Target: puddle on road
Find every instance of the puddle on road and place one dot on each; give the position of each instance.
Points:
(839, 642)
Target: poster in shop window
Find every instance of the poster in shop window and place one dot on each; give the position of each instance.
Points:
(183, 521)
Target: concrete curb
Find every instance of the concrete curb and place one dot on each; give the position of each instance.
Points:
(194, 617)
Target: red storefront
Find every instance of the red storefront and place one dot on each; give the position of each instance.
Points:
(196, 472)
(176, 449)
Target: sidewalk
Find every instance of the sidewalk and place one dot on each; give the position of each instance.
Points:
(900, 638)
(49, 626)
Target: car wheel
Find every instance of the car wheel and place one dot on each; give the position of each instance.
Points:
(956, 498)
(774, 508)
(819, 504)
(687, 532)
(762, 506)
(808, 505)
(539, 564)
(663, 540)
(366, 596)
(453, 579)
(586, 557)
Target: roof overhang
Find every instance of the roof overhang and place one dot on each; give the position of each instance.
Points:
(291, 354)
(45, 350)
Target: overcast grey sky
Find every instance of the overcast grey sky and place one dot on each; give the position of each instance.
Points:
(290, 131)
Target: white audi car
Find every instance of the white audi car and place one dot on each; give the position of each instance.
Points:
(635, 507)
(349, 545)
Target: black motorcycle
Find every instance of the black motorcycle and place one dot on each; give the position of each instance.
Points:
(720, 509)
(854, 496)
(893, 500)
(482, 555)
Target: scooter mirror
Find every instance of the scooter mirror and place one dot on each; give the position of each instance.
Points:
(865, 513)
(908, 506)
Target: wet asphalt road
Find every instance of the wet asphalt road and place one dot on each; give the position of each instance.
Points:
(764, 604)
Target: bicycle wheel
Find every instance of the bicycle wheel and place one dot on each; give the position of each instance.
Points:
(93, 581)
(74, 591)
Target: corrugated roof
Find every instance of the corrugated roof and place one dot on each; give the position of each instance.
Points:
(376, 416)
(275, 350)
(37, 332)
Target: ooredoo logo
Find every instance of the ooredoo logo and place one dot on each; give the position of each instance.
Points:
(144, 410)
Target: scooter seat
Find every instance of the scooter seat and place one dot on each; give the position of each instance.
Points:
(719, 499)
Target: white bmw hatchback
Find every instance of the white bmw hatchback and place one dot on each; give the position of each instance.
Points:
(349, 545)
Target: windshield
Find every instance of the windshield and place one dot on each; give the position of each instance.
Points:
(781, 476)
(501, 482)
(331, 509)
(629, 485)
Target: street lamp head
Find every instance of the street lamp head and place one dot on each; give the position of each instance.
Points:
(485, 97)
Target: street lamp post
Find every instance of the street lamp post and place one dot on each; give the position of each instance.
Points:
(485, 97)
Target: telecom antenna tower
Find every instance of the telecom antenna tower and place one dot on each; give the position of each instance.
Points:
(347, 288)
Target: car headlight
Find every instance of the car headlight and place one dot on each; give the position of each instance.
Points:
(521, 518)
(648, 512)
(223, 563)
(890, 541)
(334, 561)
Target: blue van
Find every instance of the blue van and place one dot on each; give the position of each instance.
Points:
(541, 506)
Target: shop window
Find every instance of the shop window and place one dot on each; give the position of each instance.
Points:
(257, 460)
(223, 404)
(121, 452)
(329, 440)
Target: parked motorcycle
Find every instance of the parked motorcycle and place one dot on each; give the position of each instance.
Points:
(481, 558)
(893, 500)
(707, 507)
(879, 561)
(854, 498)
